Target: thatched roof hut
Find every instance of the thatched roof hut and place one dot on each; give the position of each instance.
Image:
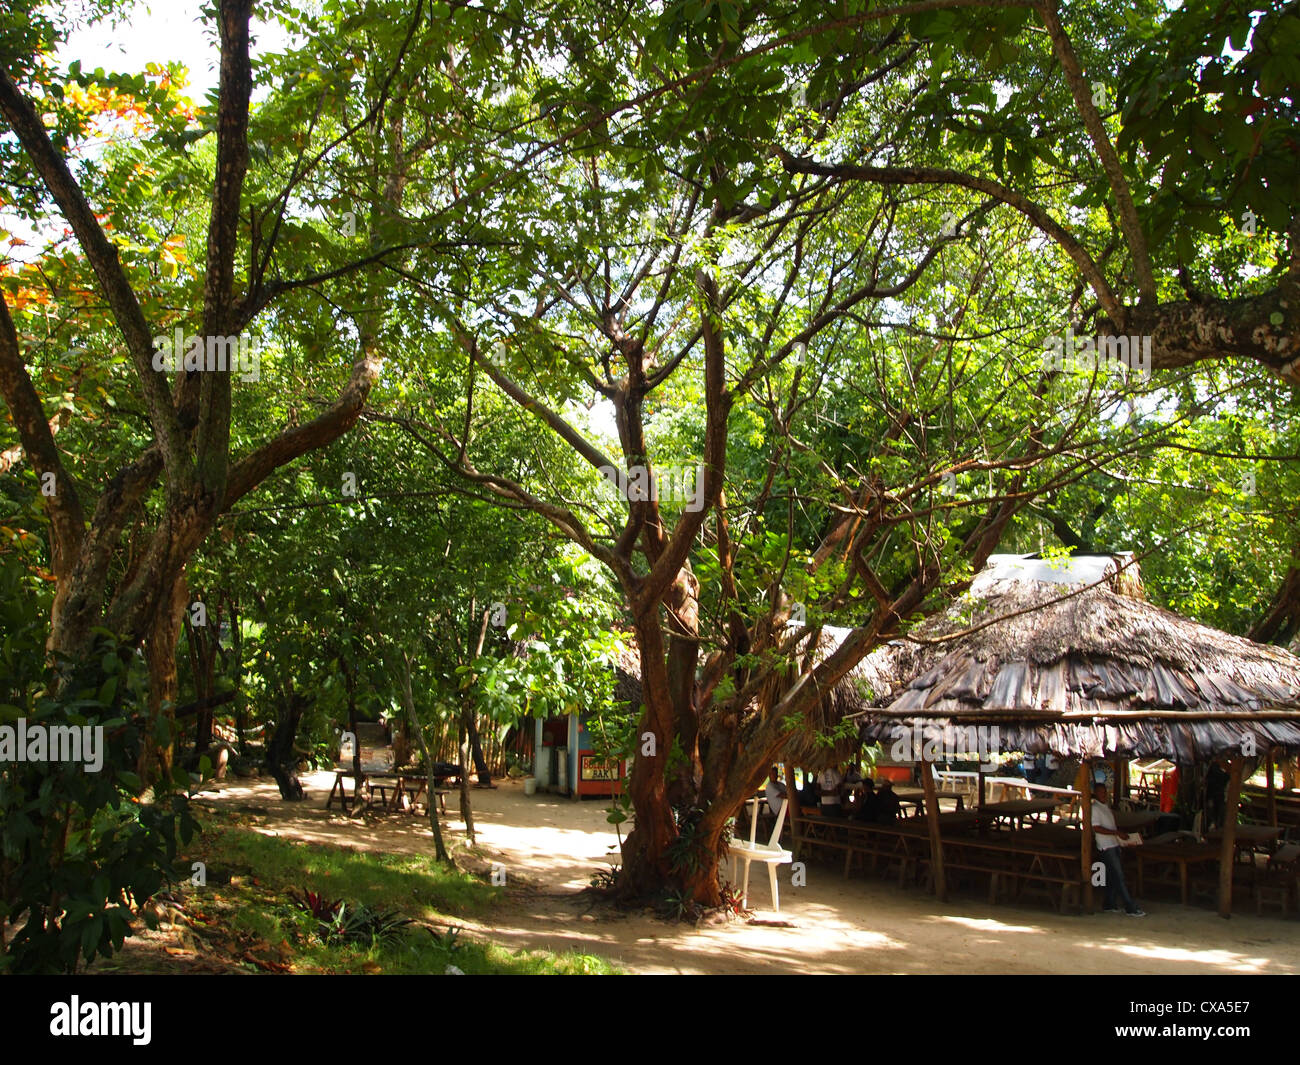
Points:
(1068, 658)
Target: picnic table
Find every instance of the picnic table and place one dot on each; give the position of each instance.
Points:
(340, 788)
(1051, 835)
(392, 786)
(1250, 838)
(916, 797)
(1017, 811)
(1135, 820)
(1182, 855)
(905, 840)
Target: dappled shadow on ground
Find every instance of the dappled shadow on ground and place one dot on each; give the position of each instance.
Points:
(547, 848)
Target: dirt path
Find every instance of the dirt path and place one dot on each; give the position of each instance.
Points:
(549, 847)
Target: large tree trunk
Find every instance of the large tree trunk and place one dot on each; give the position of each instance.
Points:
(160, 656)
(466, 810)
(645, 871)
(280, 754)
(1281, 620)
(707, 787)
(476, 751)
(204, 643)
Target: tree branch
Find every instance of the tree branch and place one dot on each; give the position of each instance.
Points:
(1092, 121)
(929, 175)
(102, 255)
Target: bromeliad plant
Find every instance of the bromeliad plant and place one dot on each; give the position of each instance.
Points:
(338, 924)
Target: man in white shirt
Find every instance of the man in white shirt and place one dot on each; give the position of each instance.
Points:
(1106, 837)
(828, 783)
(774, 792)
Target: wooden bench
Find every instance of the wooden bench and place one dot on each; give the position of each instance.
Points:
(854, 838)
(1021, 866)
(1013, 868)
(1279, 880)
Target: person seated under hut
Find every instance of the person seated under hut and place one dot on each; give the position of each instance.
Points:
(868, 805)
(888, 808)
(851, 786)
(828, 783)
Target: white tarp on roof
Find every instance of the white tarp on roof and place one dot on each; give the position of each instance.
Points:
(1082, 569)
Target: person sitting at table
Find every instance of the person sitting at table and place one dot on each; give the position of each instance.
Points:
(828, 783)
(1216, 799)
(888, 808)
(809, 796)
(774, 792)
(852, 778)
(1106, 836)
(868, 805)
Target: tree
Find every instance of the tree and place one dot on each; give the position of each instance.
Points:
(666, 263)
(183, 475)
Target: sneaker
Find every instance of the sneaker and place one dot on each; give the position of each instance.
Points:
(1110, 909)
(1137, 913)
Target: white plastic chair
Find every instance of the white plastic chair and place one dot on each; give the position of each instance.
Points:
(770, 854)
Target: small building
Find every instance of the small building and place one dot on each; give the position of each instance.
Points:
(565, 759)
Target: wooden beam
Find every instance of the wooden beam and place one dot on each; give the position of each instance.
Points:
(1227, 855)
(1272, 791)
(932, 821)
(1083, 783)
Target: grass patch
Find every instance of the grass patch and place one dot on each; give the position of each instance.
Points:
(419, 886)
(247, 909)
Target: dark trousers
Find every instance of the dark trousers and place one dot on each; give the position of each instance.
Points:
(1116, 889)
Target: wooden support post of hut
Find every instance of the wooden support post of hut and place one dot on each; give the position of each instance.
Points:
(1227, 856)
(932, 822)
(1084, 784)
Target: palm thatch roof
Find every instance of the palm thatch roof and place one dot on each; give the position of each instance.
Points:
(811, 747)
(1069, 659)
(627, 675)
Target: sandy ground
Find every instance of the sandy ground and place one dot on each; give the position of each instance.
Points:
(549, 848)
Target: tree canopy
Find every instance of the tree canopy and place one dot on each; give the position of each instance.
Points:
(691, 327)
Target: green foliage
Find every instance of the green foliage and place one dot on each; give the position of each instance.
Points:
(340, 923)
(80, 850)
